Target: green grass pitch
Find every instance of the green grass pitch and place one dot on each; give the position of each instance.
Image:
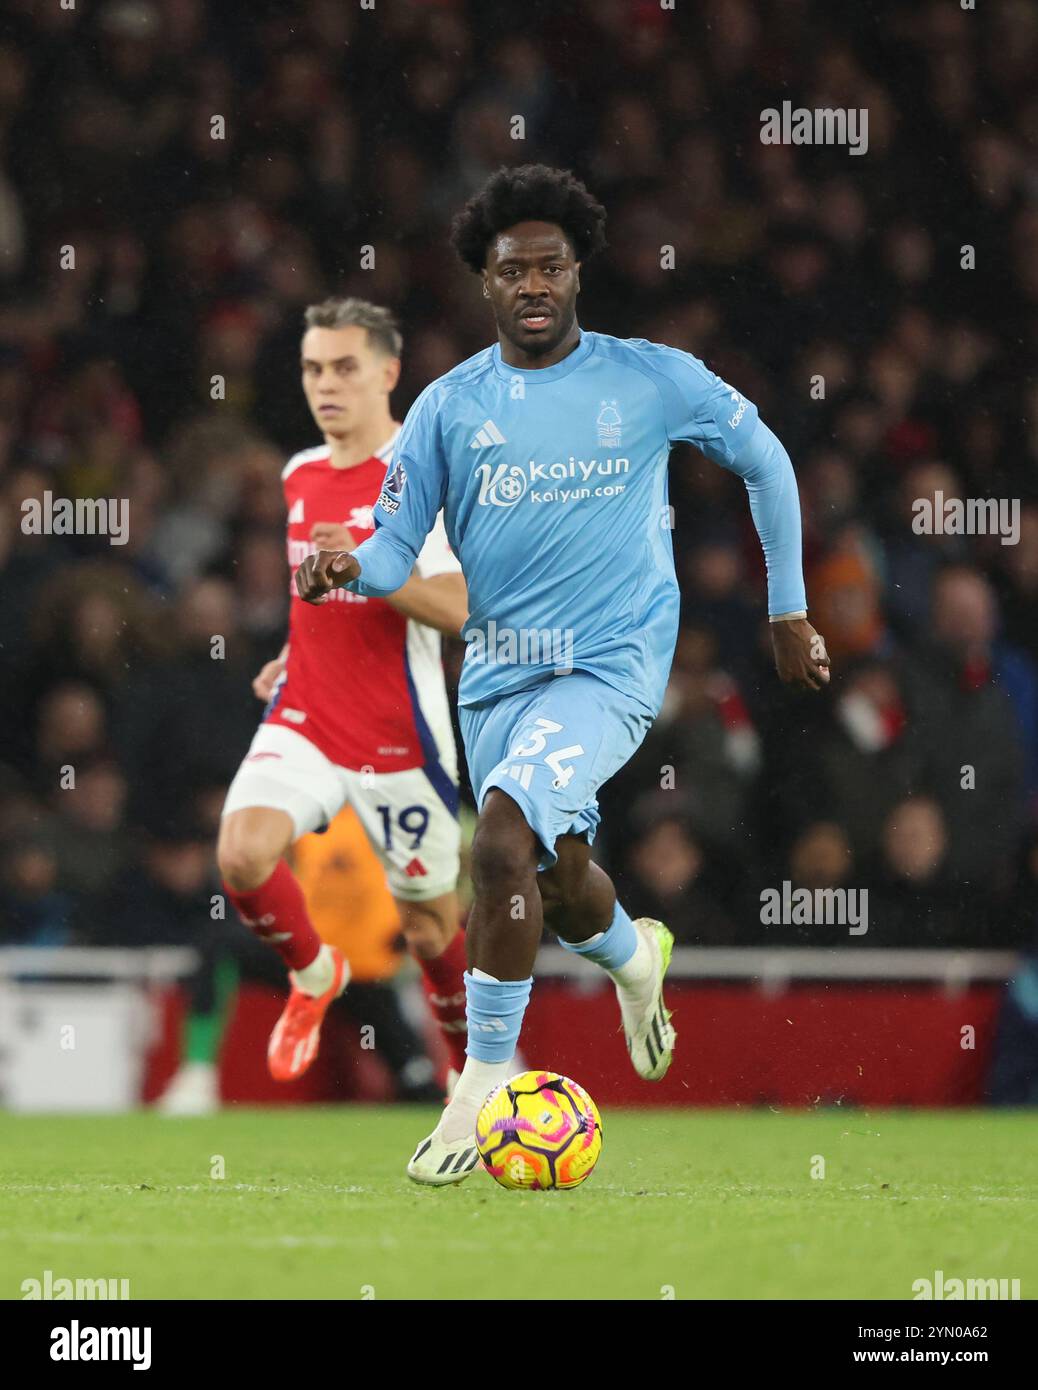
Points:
(684, 1204)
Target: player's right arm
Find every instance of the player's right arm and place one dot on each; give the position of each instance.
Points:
(412, 495)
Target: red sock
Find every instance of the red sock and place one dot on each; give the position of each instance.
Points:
(445, 993)
(276, 912)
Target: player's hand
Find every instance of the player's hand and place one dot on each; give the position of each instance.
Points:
(800, 655)
(326, 535)
(327, 570)
(263, 685)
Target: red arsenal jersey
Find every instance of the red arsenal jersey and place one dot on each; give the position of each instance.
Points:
(363, 682)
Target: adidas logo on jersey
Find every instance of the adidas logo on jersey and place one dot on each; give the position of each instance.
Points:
(295, 515)
(487, 435)
(416, 869)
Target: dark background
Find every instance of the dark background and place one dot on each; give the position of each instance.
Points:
(347, 128)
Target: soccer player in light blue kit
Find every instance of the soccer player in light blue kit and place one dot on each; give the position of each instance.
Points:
(548, 455)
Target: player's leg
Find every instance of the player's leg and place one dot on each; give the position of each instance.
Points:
(505, 922)
(577, 901)
(536, 760)
(502, 936)
(250, 854)
(410, 818)
(284, 789)
(506, 909)
(434, 938)
(582, 909)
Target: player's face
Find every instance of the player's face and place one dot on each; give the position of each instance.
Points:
(533, 279)
(345, 379)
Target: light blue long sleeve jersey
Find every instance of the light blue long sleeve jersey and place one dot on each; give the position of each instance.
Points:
(553, 484)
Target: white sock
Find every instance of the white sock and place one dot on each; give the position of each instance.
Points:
(476, 1082)
(636, 979)
(316, 978)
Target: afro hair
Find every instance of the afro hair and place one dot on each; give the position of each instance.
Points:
(529, 193)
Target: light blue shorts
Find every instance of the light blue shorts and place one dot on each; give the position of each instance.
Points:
(550, 748)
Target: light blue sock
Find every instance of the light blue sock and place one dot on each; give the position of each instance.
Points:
(494, 1010)
(611, 948)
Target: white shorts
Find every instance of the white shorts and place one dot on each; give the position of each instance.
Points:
(408, 824)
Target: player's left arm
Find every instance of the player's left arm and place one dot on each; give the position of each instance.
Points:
(411, 496)
(765, 468)
(703, 409)
(435, 594)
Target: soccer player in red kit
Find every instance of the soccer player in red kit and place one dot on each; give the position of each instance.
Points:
(356, 706)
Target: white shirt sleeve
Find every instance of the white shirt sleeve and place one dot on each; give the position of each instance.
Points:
(436, 556)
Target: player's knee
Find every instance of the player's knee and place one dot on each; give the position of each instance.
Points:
(250, 844)
(503, 850)
(244, 865)
(243, 871)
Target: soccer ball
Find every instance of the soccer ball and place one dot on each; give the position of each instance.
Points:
(539, 1130)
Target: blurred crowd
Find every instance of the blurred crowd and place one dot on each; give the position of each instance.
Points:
(178, 180)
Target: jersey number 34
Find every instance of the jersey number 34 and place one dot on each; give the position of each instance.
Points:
(536, 745)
